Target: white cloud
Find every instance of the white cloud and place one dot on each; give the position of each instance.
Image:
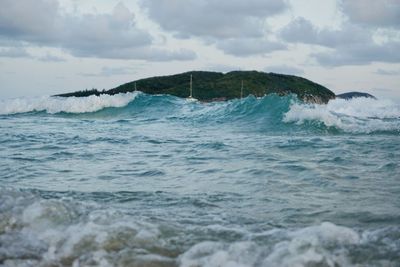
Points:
(249, 47)
(111, 71)
(51, 58)
(14, 52)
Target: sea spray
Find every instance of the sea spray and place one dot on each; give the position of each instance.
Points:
(60, 104)
(358, 115)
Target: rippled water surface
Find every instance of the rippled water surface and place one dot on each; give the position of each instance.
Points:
(140, 180)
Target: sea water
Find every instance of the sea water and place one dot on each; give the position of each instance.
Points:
(141, 180)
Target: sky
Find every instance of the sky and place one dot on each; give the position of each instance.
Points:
(56, 46)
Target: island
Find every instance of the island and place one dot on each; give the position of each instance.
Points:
(214, 86)
(351, 95)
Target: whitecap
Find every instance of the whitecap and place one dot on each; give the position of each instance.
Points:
(358, 115)
(53, 105)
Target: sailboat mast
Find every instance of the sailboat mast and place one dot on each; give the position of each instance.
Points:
(241, 91)
(191, 89)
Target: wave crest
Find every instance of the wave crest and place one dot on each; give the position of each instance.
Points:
(54, 105)
(271, 113)
(359, 115)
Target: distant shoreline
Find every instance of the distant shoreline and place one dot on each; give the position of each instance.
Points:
(216, 86)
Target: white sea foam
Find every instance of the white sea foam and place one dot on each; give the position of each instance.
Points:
(59, 233)
(321, 245)
(62, 232)
(60, 104)
(363, 115)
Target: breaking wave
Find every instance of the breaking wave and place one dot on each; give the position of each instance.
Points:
(270, 113)
(358, 115)
(54, 105)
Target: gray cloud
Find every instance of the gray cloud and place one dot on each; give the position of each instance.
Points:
(216, 19)
(249, 47)
(284, 69)
(139, 53)
(29, 20)
(301, 30)
(114, 35)
(387, 72)
(360, 54)
(236, 27)
(351, 45)
(383, 13)
(104, 35)
(14, 52)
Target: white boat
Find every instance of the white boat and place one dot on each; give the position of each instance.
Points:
(191, 98)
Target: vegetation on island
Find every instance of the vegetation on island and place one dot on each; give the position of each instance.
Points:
(210, 86)
(351, 95)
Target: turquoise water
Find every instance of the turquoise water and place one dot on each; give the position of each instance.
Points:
(140, 180)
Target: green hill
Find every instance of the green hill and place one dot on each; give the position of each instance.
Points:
(209, 86)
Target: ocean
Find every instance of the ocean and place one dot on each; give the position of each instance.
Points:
(155, 180)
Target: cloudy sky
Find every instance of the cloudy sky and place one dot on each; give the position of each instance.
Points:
(55, 46)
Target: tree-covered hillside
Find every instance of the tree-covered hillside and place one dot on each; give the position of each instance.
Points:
(209, 86)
